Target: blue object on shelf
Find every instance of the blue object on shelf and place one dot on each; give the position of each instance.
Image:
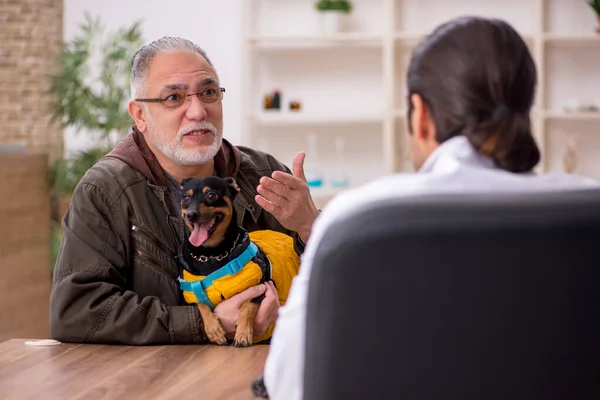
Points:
(339, 183)
(314, 178)
(315, 183)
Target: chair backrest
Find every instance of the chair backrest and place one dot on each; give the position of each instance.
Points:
(458, 297)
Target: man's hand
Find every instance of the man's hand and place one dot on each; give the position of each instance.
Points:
(228, 311)
(287, 197)
(268, 310)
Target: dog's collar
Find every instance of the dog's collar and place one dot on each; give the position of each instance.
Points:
(220, 257)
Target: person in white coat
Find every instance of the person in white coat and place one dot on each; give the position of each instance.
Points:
(471, 87)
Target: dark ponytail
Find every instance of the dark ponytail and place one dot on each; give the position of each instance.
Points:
(507, 140)
(477, 78)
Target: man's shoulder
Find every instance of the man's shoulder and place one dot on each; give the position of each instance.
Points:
(260, 161)
(111, 176)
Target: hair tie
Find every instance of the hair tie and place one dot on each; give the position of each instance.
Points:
(502, 112)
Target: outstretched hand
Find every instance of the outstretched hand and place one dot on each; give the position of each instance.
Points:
(287, 197)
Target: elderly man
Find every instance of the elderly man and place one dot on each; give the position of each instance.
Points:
(115, 279)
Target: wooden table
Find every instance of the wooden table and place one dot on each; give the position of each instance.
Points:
(86, 371)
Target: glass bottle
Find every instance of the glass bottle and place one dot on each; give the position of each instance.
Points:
(313, 173)
(339, 179)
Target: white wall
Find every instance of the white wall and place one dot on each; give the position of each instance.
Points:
(215, 25)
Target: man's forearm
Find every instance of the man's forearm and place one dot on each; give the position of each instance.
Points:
(107, 315)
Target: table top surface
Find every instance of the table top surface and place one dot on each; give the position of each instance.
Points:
(88, 371)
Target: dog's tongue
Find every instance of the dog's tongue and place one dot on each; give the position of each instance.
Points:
(199, 234)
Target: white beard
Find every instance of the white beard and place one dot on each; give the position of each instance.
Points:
(173, 149)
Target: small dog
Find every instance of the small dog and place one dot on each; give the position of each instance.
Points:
(219, 258)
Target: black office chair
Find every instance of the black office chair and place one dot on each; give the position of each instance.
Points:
(458, 297)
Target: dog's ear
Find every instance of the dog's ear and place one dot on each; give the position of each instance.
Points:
(233, 186)
(183, 182)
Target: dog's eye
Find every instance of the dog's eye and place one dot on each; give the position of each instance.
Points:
(185, 198)
(211, 196)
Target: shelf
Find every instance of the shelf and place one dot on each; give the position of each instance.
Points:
(407, 38)
(574, 116)
(571, 40)
(279, 118)
(316, 41)
(414, 38)
(565, 116)
(401, 113)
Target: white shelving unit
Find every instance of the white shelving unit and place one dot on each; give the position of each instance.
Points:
(295, 119)
(351, 84)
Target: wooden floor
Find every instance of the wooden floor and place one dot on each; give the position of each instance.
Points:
(83, 371)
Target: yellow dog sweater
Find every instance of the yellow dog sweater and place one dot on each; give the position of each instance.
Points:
(282, 265)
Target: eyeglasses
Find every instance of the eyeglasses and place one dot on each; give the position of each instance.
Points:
(177, 98)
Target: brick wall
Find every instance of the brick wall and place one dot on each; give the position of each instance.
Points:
(30, 38)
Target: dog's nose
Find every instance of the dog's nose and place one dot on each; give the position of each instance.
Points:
(192, 216)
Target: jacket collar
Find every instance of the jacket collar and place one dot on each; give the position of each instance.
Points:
(459, 150)
(135, 152)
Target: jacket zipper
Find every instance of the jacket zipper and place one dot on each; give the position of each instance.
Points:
(154, 263)
(152, 240)
(160, 193)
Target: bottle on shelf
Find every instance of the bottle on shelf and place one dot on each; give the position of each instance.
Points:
(276, 100)
(272, 101)
(314, 178)
(339, 180)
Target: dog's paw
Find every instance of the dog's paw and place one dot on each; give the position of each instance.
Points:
(215, 333)
(242, 343)
(243, 338)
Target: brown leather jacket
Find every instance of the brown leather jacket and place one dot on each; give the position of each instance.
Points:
(115, 280)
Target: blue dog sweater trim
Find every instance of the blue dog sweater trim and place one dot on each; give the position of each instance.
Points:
(231, 268)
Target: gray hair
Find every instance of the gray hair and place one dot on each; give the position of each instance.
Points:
(143, 57)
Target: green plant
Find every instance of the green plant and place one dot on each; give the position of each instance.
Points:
(90, 91)
(595, 4)
(334, 5)
(65, 173)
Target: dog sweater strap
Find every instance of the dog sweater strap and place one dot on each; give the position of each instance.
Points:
(234, 266)
(199, 290)
(231, 268)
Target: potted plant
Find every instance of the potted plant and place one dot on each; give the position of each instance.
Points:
(332, 14)
(595, 4)
(89, 93)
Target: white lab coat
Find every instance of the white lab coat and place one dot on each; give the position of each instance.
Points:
(454, 167)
